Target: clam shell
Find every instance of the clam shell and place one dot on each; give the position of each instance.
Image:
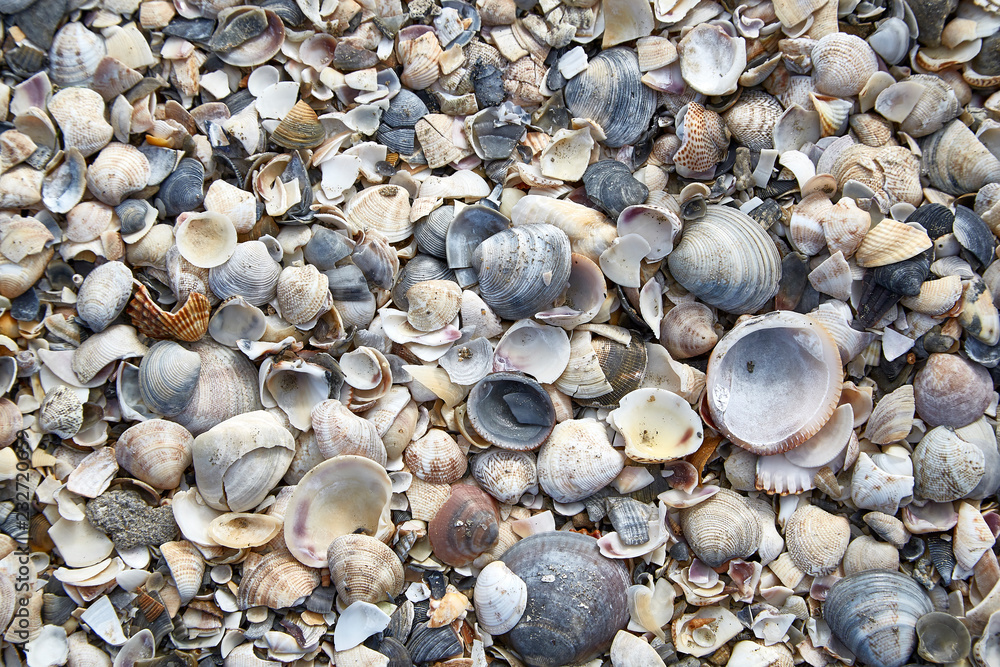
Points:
(465, 526)
(750, 120)
(892, 417)
(339, 431)
(155, 451)
(250, 273)
(500, 598)
(956, 162)
(951, 391)
(946, 467)
(657, 425)
(807, 367)
(577, 460)
(589, 231)
(436, 458)
(104, 294)
(510, 410)
(340, 496)
(183, 190)
(241, 530)
(433, 304)
(889, 242)
(118, 171)
(300, 128)
(711, 60)
(726, 243)
(74, 55)
(612, 79)
(186, 567)
(506, 475)
(867, 553)
(275, 580)
(816, 540)
(227, 387)
(80, 115)
(385, 208)
(168, 375)
(247, 36)
(205, 239)
(559, 570)
(363, 568)
(687, 330)
(842, 64)
(118, 341)
(721, 528)
(874, 613)
(302, 292)
(61, 412)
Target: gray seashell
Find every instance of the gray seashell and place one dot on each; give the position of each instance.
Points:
(432, 231)
(61, 412)
(326, 247)
(376, 259)
(247, 36)
(611, 186)
(522, 270)
(162, 162)
(63, 187)
(227, 387)
(104, 295)
(396, 652)
(404, 110)
(931, 16)
(721, 528)
(874, 613)
(168, 375)
(135, 215)
(348, 283)
(972, 234)
(118, 341)
(417, 270)
(981, 353)
(987, 61)
(492, 138)
(184, 189)
(630, 519)
(937, 219)
(943, 556)
(511, 410)
(74, 55)
(401, 140)
(727, 260)
(235, 320)
(955, 161)
(891, 40)
(942, 638)
(250, 273)
(470, 227)
(427, 645)
(568, 579)
(611, 93)
(905, 277)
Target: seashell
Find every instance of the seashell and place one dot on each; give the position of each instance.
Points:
(951, 391)
(892, 418)
(80, 115)
(186, 567)
(118, 171)
(972, 234)
(711, 60)
(558, 569)
(500, 598)
(104, 294)
(842, 64)
(240, 530)
(74, 55)
(751, 654)
(302, 293)
(167, 376)
(465, 526)
(589, 231)
(805, 227)
(577, 460)
(870, 129)
(687, 330)
(339, 431)
(87, 221)
(833, 113)
(538, 350)
(118, 341)
(238, 461)
(61, 412)
(942, 638)
(236, 320)
(506, 475)
(21, 187)
(364, 568)
(657, 425)
(708, 249)
(522, 270)
(433, 304)
(946, 467)
(833, 277)
(510, 410)
(978, 316)
(236, 204)
(704, 140)
(612, 79)
(137, 217)
(889, 242)
(249, 273)
(866, 553)
(956, 162)
(247, 36)
(419, 58)
(294, 385)
(436, 458)
(300, 128)
(188, 323)
(341, 496)
(875, 488)
(11, 422)
(64, 186)
(750, 120)
(874, 613)
(905, 277)
(816, 540)
(385, 208)
(155, 451)
(721, 528)
(183, 190)
(205, 239)
(610, 185)
(627, 650)
(276, 581)
(739, 383)
(657, 225)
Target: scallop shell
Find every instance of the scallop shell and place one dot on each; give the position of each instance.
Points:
(522, 270)
(807, 370)
(167, 376)
(104, 294)
(842, 64)
(721, 528)
(816, 540)
(465, 526)
(867, 553)
(188, 323)
(340, 496)
(752, 118)
(364, 568)
(875, 613)
(892, 418)
(500, 598)
(559, 570)
(155, 451)
(951, 391)
(118, 171)
(711, 60)
(227, 386)
(726, 243)
(612, 82)
(889, 242)
(506, 475)
(946, 467)
(956, 162)
(577, 460)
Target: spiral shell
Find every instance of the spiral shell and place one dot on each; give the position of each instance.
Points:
(364, 568)
(155, 451)
(727, 260)
(467, 525)
(721, 528)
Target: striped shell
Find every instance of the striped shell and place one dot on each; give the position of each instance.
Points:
(189, 323)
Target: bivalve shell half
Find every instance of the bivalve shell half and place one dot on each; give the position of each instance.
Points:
(842, 64)
(302, 293)
(500, 598)
(156, 452)
(951, 390)
(364, 568)
(956, 162)
(168, 375)
(436, 458)
(773, 381)
(275, 580)
(658, 426)
(816, 540)
(104, 294)
(467, 525)
(721, 528)
(946, 467)
(511, 410)
(118, 171)
(577, 460)
(506, 475)
(711, 59)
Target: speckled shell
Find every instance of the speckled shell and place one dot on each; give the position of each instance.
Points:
(155, 451)
(467, 525)
(721, 528)
(842, 64)
(568, 579)
(946, 467)
(611, 93)
(727, 260)
(522, 270)
(874, 613)
(951, 390)
(104, 294)
(816, 540)
(705, 141)
(577, 460)
(364, 568)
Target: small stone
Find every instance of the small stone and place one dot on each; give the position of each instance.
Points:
(129, 521)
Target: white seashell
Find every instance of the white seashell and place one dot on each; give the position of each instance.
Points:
(205, 239)
(577, 460)
(104, 295)
(712, 61)
(538, 350)
(500, 598)
(657, 425)
(294, 386)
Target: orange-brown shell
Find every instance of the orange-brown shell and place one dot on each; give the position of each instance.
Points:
(466, 525)
(188, 324)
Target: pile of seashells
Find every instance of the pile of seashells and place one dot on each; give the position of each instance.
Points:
(515, 332)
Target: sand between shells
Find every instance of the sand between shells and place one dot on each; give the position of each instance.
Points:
(515, 332)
